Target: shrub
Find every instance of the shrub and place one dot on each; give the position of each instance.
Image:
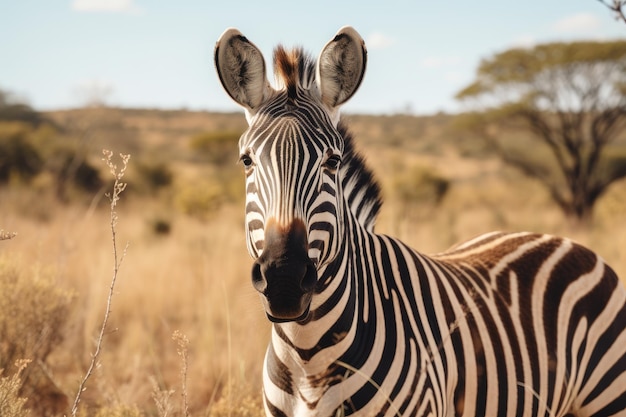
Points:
(154, 175)
(69, 166)
(200, 199)
(219, 148)
(160, 226)
(614, 162)
(11, 404)
(33, 312)
(13, 109)
(421, 185)
(18, 156)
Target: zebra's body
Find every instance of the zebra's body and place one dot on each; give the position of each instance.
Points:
(503, 325)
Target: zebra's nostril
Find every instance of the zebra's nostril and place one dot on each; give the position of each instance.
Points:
(258, 280)
(309, 279)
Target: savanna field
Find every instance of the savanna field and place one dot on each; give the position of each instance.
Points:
(186, 333)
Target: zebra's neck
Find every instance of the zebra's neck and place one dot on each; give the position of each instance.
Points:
(339, 305)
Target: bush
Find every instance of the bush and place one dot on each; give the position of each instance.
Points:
(160, 226)
(614, 165)
(18, 156)
(421, 185)
(69, 166)
(154, 175)
(33, 312)
(199, 200)
(219, 148)
(11, 404)
(12, 109)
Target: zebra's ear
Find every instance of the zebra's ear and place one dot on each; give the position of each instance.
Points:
(241, 68)
(341, 66)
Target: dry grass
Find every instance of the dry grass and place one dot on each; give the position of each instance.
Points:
(12, 404)
(193, 280)
(185, 281)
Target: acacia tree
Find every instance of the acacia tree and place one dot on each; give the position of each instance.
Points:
(617, 7)
(571, 98)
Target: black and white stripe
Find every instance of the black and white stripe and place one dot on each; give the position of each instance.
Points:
(507, 324)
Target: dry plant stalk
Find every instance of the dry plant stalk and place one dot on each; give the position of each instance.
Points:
(161, 398)
(183, 352)
(11, 404)
(118, 188)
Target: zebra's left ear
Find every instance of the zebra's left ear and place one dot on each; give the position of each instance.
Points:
(241, 68)
(341, 66)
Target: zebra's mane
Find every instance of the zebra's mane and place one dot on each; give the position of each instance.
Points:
(295, 69)
(360, 188)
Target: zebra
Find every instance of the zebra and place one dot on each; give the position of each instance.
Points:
(505, 324)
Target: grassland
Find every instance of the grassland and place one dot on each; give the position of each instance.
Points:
(186, 267)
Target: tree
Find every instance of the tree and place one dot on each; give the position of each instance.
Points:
(616, 6)
(571, 98)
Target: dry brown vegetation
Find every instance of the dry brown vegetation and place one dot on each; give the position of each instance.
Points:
(186, 272)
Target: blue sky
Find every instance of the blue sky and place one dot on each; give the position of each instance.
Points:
(158, 54)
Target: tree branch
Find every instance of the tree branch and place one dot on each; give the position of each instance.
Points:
(530, 170)
(616, 7)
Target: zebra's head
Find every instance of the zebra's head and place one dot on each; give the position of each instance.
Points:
(292, 154)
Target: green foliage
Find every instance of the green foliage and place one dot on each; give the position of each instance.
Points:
(421, 185)
(11, 404)
(18, 156)
(199, 199)
(218, 147)
(525, 65)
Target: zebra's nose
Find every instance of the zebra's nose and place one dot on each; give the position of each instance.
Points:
(302, 273)
(284, 274)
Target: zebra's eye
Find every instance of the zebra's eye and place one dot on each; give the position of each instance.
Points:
(246, 160)
(332, 162)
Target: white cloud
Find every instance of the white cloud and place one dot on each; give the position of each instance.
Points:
(578, 23)
(378, 40)
(454, 77)
(436, 62)
(524, 41)
(109, 6)
(93, 92)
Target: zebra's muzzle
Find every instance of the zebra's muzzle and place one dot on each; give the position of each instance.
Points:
(284, 274)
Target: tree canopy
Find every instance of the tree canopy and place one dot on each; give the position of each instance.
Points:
(572, 98)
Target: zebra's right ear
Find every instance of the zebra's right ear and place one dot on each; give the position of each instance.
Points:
(241, 69)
